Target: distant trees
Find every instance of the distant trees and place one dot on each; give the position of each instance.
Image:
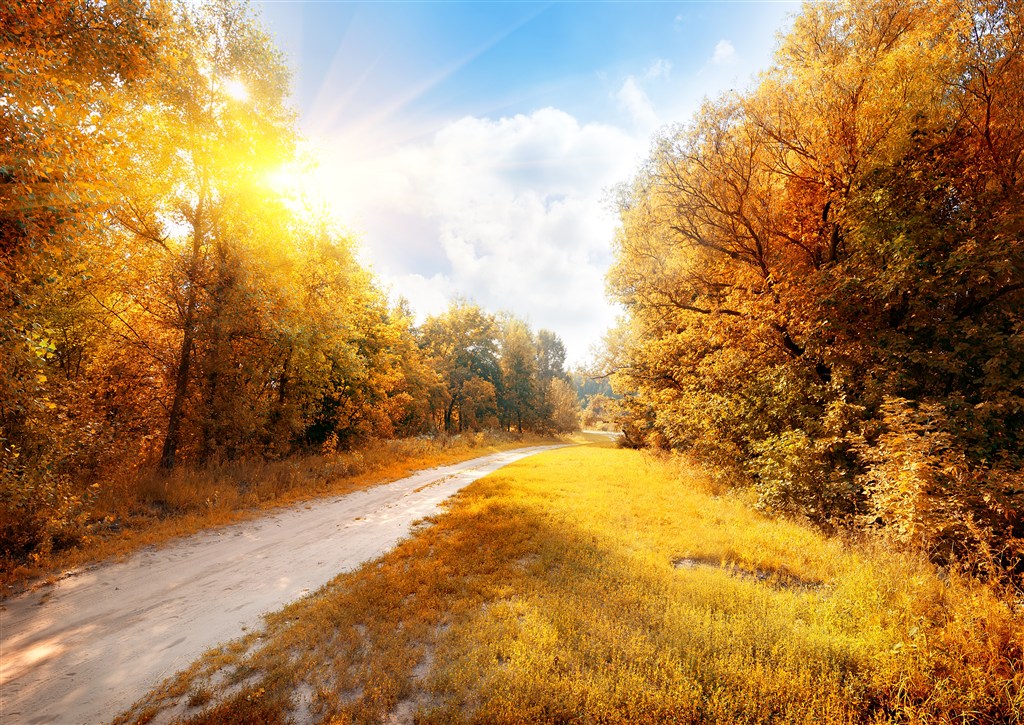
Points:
(825, 275)
(562, 406)
(495, 372)
(596, 398)
(162, 303)
(461, 345)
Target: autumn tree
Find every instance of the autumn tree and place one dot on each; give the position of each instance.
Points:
(223, 114)
(811, 265)
(521, 384)
(163, 302)
(550, 367)
(68, 71)
(495, 372)
(461, 345)
(378, 383)
(563, 406)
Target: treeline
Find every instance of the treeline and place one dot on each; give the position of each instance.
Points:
(597, 400)
(162, 301)
(825, 277)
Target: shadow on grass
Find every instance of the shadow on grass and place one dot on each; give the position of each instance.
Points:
(508, 609)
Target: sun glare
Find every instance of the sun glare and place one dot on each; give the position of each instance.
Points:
(236, 89)
(300, 186)
(313, 183)
(290, 180)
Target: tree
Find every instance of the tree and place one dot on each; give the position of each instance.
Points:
(550, 366)
(461, 346)
(565, 408)
(69, 71)
(520, 383)
(225, 140)
(161, 302)
(801, 256)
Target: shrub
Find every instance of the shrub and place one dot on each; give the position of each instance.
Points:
(797, 474)
(922, 487)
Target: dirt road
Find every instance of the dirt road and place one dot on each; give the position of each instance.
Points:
(86, 648)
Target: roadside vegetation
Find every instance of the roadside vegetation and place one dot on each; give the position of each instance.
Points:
(598, 584)
(157, 507)
(177, 320)
(824, 276)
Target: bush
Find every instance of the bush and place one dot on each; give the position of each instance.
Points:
(922, 487)
(797, 474)
(40, 511)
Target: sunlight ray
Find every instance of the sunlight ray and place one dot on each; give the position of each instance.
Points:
(376, 118)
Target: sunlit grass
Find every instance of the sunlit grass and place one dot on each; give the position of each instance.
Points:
(598, 585)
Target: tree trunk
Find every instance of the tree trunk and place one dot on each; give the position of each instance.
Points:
(278, 435)
(170, 450)
(168, 457)
(217, 355)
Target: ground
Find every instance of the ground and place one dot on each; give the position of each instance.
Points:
(595, 584)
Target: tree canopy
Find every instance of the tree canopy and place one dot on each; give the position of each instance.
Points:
(164, 303)
(825, 275)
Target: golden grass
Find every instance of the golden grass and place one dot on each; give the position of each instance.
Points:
(593, 584)
(151, 509)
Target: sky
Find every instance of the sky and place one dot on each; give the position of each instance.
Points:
(474, 147)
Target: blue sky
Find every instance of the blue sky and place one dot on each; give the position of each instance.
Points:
(472, 146)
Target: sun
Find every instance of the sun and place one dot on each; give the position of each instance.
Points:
(294, 180)
(315, 181)
(302, 185)
(286, 180)
(236, 89)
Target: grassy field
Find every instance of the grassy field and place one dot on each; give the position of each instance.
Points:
(154, 507)
(592, 584)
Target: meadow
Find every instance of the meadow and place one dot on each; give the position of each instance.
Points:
(595, 584)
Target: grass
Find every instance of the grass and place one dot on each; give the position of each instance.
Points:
(592, 584)
(146, 510)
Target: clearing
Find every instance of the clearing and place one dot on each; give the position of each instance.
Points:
(592, 584)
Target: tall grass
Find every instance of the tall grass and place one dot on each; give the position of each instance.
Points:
(139, 509)
(595, 585)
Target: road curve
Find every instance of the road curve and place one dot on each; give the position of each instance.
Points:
(86, 648)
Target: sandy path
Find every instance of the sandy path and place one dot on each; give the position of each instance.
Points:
(88, 647)
(610, 435)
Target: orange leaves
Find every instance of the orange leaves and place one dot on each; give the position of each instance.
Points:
(835, 238)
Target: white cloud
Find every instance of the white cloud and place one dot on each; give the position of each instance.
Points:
(427, 295)
(508, 212)
(660, 68)
(725, 53)
(634, 100)
(633, 97)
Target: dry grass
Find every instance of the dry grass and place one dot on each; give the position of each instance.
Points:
(593, 584)
(133, 513)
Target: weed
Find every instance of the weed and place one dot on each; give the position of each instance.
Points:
(198, 696)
